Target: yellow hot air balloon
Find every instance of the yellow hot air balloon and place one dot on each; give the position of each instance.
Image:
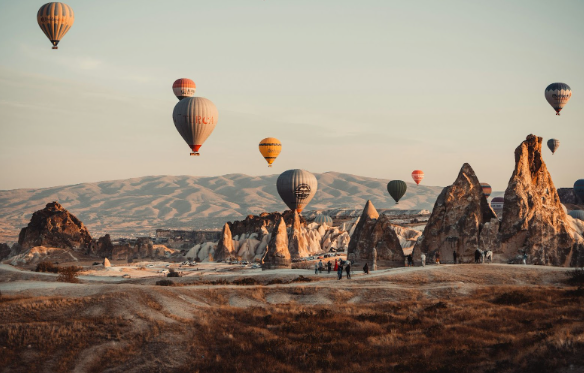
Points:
(55, 19)
(270, 147)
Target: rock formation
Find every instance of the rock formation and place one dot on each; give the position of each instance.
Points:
(224, 248)
(54, 226)
(102, 247)
(4, 251)
(458, 221)
(570, 199)
(375, 233)
(277, 254)
(533, 219)
(297, 243)
(106, 263)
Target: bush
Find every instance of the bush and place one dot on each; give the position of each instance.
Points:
(165, 283)
(68, 274)
(576, 277)
(47, 267)
(512, 298)
(172, 273)
(246, 281)
(302, 279)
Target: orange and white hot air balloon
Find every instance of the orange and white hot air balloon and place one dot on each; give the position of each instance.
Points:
(184, 88)
(55, 19)
(270, 147)
(418, 175)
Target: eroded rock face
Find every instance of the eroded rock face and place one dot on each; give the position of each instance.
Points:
(297, 243)
(224, 248)
(262, 222)
(277, 254)
(54, 226)
(4, 251)
(375, 234)
(103, 247)
(461, 220)
(533, 218)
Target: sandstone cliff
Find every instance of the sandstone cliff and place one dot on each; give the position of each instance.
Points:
(533, 219)
(461, 220)
(277, 254)
(297, 243)
(224, 248)
(54, 226)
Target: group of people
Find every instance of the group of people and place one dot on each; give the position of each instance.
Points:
(338, 267)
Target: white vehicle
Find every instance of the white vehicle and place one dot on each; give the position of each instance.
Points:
(163, 271)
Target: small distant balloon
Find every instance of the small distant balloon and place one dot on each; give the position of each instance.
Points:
(553, 144)
(55, 19)
(558, 95)
(396, 189)
(184, 88)
(497, 205)
(417, 175)
(296, 188)
(579, 189)
(486, 189)
(323, 219)
(270, 148)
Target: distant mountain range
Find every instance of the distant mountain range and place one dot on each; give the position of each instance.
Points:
(139, 206)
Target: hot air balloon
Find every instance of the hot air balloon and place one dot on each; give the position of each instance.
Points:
(553, 144)
(417, 175)
(486, 189)
(558, 95)
(323, 219)
(497, 205)
(296, 188)
(270, 147)
(195, 118)
(397, 189)
(579, 189)
(55, 19)
(184, 88)
(577, 214)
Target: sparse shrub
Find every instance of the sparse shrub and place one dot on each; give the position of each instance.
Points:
(173, 273)
(165, 283)
(69, 274)
(198, 260)
(47, 267)
(512, 298)
(275, 281)
(246, 281)
(302, 279)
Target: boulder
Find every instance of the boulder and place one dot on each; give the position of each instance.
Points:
(277, 254)
(225, 247)
(373, 237)
(534, 221)
(54, 226)
(106, 263)
(458, 221)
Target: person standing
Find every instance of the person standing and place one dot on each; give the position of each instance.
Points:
(437, 257)
(366, 268)
(525, 258)
(320, 266)
(454, 256)
(410, 261)
(329, 266)
(315, 269)
(340, 271)
(336, 266)
(423, 256)
(348, 269)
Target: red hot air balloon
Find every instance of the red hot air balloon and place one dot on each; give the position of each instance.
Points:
(418, 175)
(184, 88)
(486, 189)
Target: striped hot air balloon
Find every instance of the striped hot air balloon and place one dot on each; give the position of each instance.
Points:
(184, 88)
(418, 175)
(553, 144)
(323, 219)
(296, 188)
(270, 147)
(55, 19)
(486, 189)
(195, 118)
(558, 95)
(497, 205)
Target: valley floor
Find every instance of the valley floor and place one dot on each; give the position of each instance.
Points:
(448, 318)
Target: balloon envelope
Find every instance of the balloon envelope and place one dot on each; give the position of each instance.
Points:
(558, 95)
(553, 144)
(486, 189)
(324, 220)
(497, 204)
(296, 188)
(579, 189)
(195, 118)
(270, 147)
(184, 88)
(55, 19)
(417, 175)
(397, 189)
(577, 214)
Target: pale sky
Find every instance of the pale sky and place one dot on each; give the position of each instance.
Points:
(371, 88)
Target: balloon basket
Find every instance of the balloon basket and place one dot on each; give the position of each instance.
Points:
(269, 165)
(55, 48)
(195, 154)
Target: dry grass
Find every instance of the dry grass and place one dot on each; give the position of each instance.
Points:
(540, 329)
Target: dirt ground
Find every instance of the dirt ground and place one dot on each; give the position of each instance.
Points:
(220, 318)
